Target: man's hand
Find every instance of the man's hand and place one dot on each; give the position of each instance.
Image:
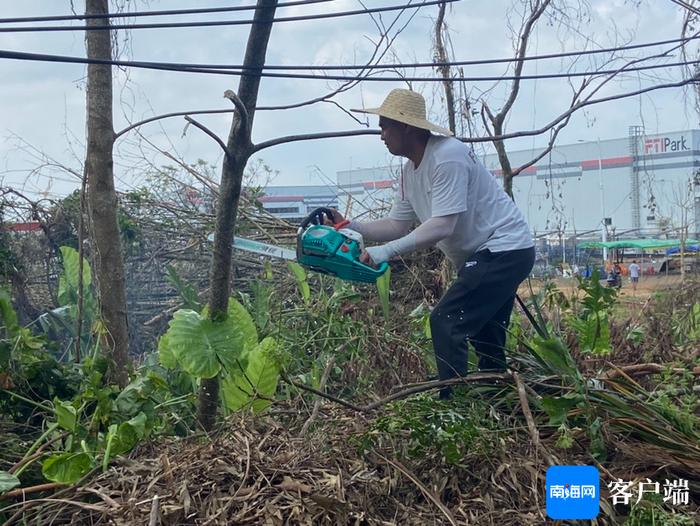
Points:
(337, 218)
(367, 259)
(373, 256)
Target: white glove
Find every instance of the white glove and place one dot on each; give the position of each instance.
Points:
(382, 253)
(379, 253)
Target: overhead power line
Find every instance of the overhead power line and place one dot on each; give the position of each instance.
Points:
(210, 23)
(687, 6)
(482, 62)
(162, 66)
(170, 12)
(418, 65)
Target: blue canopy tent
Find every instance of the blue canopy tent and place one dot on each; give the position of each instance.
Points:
(688, 248)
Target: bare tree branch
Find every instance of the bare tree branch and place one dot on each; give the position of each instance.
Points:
(210, 134)
(310, 137)
(166, 116)
(444, 70)
(588, 102)
(243, 118)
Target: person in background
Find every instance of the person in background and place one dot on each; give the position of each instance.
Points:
(462, 210)
(617, 270)
(634, 274)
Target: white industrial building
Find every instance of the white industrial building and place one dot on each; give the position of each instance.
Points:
(294, 203)
(640, 185)
(636, 186)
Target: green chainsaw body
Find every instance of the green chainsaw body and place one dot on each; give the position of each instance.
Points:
(329, 250)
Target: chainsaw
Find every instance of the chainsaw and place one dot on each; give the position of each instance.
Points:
(333, 250)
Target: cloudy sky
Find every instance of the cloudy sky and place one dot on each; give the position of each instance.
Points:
(42, 105)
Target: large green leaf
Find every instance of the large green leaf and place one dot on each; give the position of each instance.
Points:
(201, 346)
(196, 342)
(165, 353)
(134, 396)
(67, 468)
(68, 282)
(244, 335)
(66, 414)
(7, 481)
(125, 437)
(259, 382)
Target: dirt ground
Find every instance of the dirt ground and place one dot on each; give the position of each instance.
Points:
(646, 287)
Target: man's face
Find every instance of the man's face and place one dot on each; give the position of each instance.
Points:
(393, 135)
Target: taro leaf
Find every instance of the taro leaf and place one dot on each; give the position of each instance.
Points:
(7, 481)
(300, 276)
(128, 434)
(165, 353)
(66, 414)
(261, 377)
(68, 282)
(67, 468)
(383, 283)
(201, 346)
(244, 336)
(133, 396)
(196, 342)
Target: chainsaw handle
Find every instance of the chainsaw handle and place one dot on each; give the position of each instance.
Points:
(316, 217)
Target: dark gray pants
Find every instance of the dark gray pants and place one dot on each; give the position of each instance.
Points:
(476, 309)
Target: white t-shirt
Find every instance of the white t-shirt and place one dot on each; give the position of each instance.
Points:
(451, 180)
(634, 270)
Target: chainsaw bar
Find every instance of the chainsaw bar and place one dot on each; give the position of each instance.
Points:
(265, 249)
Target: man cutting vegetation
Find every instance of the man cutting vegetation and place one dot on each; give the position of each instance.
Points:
(462, 210)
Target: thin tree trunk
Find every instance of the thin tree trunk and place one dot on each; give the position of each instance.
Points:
(240, 147)
(102, 198)
(444, 70)
(506, 168)
(537, 9)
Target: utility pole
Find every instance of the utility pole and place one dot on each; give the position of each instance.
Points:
(603, 222)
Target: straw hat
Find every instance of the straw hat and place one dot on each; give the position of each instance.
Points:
(405, 106)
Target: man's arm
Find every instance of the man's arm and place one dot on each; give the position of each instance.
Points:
(427, 234)
(385, 229)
